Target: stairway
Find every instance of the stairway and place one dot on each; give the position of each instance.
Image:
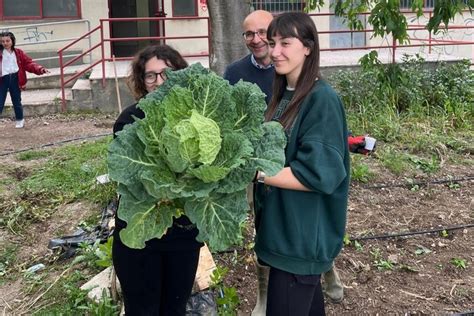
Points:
(43, 93)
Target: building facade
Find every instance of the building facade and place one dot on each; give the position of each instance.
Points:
(44, 26)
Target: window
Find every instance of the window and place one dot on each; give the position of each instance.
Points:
(185, 8)
(278, 6)
(406, 4)
(39, 9)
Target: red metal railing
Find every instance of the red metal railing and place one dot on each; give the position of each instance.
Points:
(103, 39)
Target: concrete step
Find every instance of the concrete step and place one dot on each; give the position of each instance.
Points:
(81, 95)
(36, 102)
(53, 79)
(81, 90)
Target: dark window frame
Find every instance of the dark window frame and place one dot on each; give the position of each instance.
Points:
(278, 6)
(41, 16)
(427, 4)
(196, 9)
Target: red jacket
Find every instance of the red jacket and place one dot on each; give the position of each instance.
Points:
(25, 63)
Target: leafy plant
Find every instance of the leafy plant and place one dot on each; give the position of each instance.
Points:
(444, 233)
(194, 153)
(7, 259)
(228, 302)
(346, 240)
(459, 263)
(454, 185)
(407, 268)
(360, 172)
(358, 246)
(427, 166)
(380, 262)
(421, 250)
(104, 253)
(96, 254)
(228, 299)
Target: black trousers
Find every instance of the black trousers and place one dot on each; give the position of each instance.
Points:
(154, 282)
(294, 295)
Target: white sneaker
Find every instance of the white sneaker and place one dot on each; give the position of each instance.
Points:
(20, 123)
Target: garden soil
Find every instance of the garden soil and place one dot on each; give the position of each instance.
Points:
(428, 271)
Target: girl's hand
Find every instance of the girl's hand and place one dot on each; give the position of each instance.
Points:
(44, 71)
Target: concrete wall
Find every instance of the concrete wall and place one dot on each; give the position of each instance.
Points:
(464, 51)
(42, 39)
(188, 28)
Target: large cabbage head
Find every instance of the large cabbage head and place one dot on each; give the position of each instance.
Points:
(194, 153)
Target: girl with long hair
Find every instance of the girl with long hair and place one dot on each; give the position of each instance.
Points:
(14, 63)
(301, 212)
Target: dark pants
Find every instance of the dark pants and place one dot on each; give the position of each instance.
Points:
(10, 83)
(295, 295)
(154, 282)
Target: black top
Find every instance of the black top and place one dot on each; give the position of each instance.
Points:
(182, 235)
(245, 70)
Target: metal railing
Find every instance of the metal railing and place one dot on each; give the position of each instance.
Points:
(108, 39)
(32, 32)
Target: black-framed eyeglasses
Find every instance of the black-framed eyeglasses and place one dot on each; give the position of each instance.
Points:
(151, 77)
(250, 35)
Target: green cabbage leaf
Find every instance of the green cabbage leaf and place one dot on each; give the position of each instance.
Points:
(194, 153)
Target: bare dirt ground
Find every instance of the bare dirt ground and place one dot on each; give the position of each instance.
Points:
(422, 273)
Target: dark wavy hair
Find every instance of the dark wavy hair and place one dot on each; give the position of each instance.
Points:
(11, 36)
(136, 79)
(301, 26)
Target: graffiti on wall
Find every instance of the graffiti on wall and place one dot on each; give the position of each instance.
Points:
(30, 34)
(446, 36)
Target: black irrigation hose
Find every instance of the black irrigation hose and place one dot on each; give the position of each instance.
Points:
(54, 144)
(386, 236)
(424, 182)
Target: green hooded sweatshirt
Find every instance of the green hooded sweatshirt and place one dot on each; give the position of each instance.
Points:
(302, 232)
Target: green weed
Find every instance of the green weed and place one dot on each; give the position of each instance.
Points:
(421, 250)
(346, 240)
(380, 262)
(32, 155)
(425, 165)
(358, 246)
(360, 171)
(459, 263)
(227, 297)
(7, 259)
(70, 172)
(69, 299)
(393, 160)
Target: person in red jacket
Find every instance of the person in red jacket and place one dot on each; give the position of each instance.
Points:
(14, 64)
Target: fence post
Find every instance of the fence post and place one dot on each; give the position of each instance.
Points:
(394, 48)
(102, 50)
(61, 76)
